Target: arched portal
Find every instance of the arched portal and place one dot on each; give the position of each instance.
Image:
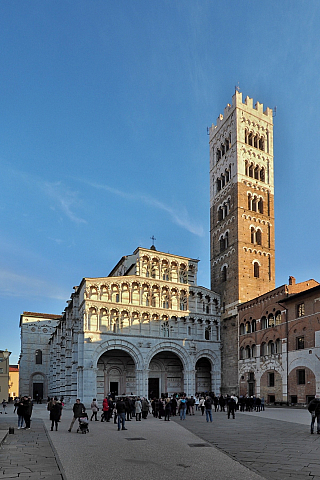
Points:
(165, 375)
(116, 374)
(203, 375)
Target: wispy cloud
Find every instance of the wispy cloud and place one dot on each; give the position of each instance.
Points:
(178, 216)
(63, 198)
(15, 285)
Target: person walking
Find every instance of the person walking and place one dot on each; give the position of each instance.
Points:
(55, 414)
(78, 408)
(4, 406)
(314, 409)
(94, 409)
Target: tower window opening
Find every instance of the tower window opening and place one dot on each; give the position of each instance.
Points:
(251, 170)
(256, 269)
(262, 175)
(224, 274)
(256, 173)
(258, 237)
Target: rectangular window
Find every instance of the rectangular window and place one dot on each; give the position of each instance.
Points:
(299, 343)
(271, 379)
(301, 377)
(300, 310)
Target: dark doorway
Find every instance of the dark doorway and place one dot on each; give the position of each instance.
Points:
(153, 387)
(37, 391)
(114, 388)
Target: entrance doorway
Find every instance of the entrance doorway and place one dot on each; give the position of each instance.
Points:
(114, 388)
(37, 393)
(153, 387)
(203, 376)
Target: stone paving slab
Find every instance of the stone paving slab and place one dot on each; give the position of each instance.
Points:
(28, 453)
(277, 450)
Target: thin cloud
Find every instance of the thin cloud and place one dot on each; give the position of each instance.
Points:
(15, 285)
(64, 198)
(179, 217)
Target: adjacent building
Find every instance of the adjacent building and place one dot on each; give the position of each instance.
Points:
(279, 343)
(4, 374)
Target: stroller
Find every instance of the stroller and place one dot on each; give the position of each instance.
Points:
(83, 424)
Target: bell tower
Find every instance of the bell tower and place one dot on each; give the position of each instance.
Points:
(241, 217)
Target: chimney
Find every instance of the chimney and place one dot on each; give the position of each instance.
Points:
(292, 281)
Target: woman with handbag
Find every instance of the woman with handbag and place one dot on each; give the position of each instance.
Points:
(95, 409)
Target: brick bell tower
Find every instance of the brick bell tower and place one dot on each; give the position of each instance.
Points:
(241, 217)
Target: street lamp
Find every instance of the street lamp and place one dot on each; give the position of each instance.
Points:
(5, 355)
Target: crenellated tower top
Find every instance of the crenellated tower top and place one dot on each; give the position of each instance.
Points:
(247, 106)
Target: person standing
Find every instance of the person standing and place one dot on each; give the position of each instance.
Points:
(208, 407)
(182, 406)
(78, 409)
(121, 412)
(94, 409)
(201, 404)
(27, 406)
(231, 406)
(138, 408)
(20, 413)
(105, 409)
(167, 409)
(55, 414)
(145, 408)
(314, 409)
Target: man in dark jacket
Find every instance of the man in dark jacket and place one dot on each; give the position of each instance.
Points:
(121, 412)
(78, 409)
(27, 411)
(314, 409)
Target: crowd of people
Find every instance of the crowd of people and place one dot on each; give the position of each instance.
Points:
(128, 407)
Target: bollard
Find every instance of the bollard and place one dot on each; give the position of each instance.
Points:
(11, 430)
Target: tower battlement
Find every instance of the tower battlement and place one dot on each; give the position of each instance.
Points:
(247, 106)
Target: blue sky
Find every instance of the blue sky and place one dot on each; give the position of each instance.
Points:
(104, 109)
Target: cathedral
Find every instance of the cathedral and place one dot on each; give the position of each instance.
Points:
(145, 329)
(148, 329)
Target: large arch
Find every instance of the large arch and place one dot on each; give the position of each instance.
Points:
(116, 374)
(166, 374)
(119, 344)
(173, 347)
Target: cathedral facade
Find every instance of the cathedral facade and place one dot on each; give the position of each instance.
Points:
(145, 329)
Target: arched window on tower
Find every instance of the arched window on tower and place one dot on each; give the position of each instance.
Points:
(253, 234)
(261, 143)
(262, 175)
(258, 237)
(260, 206)
(256, 173)
(224, 274)
(249, 201)
(256, 268)
(254, 204)
(250, 139)
(251, 170)
(263, 322)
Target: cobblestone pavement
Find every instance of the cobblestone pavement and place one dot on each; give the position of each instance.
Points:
(275, 449)
(28, 454)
